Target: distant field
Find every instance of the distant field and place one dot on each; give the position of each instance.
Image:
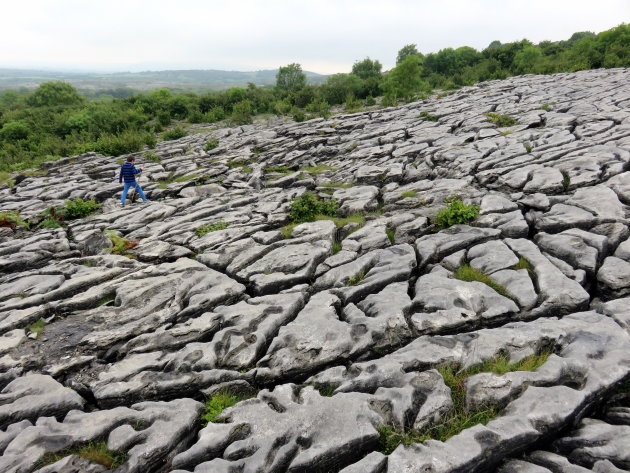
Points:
(184, 79)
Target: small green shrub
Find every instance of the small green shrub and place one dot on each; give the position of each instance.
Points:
(406, 194)
(501, 120)
(78, 208)
(456, 213)
(38, 327)
(306, 207)
(211, 227)
(468, 273)
(341, 222)
(211, 144)
(528, 148)
(547, 107)
(326, 390)
(244, 166)
(152, 156)
(12, 219)
(219, 402)
(174, 134)
(115, 145)
(121, 245)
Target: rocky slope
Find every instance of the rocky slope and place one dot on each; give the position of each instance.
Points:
(334, 331)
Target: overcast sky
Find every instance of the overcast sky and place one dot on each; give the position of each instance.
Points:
(324, 36)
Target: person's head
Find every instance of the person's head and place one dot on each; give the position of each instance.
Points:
(131, 159)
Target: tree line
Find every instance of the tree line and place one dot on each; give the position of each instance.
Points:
(56, 120)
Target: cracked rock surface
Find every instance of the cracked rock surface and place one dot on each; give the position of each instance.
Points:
(335, 332)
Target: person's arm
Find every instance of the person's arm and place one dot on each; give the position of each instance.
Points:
(137, 171)
(120, 176)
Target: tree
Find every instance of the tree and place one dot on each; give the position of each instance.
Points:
(404, 80)
(407, 50)
(339, 86)
(367, 68)
(290, 78)
(56, 93)
(526, 60)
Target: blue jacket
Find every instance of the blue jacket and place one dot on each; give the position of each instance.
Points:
(128, 172)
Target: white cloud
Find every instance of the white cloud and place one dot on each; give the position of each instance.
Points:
(324, 35)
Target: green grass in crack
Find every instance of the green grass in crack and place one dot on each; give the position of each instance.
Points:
(406, 194)
(96, 452)
(459, 417)
(219, 402)
(356, 279)
(326, 390)
(469, 274)
(501, 120)
(317, 170)
(523, 263)
(210, 227)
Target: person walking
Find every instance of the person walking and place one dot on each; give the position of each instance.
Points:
(128, 173)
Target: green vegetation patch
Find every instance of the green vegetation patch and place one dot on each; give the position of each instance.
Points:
(324, 389)
(242, 165)
(121, 245)
(468, 273)
(78, 208)
(356, 279)
(391, 235)
(523, 263)
(96, 452)
(37, 327)
(211, 227)
(501, 120)
(459, 417)
(152, 156)
(428, 117)
(456, 213)
(407, 194)
(317, 170)
(174, 134)
(219, 402)
(12, 220)
(306, 208)
(337, 185)
(211, 144)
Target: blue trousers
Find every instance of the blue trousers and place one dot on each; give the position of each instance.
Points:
(129, 185)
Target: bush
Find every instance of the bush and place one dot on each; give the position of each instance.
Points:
(116, 145)
(501, 120)
(211, 144)
(456, 213)
(299, 115)
(242, 113)
(306, 207)
(78, 208)
(174, 134)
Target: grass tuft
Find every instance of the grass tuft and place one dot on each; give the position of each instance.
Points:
(501, 120)
(211, 227)
(96, 452)
(121, 245)
(317, 170)
(468, 273)
(219, 402)
(337, 185)
(391, 235)
(406, 194)
(459, 418)
(356, 279)
(456, 213)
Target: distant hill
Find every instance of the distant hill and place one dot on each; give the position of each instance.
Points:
(184, 79)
